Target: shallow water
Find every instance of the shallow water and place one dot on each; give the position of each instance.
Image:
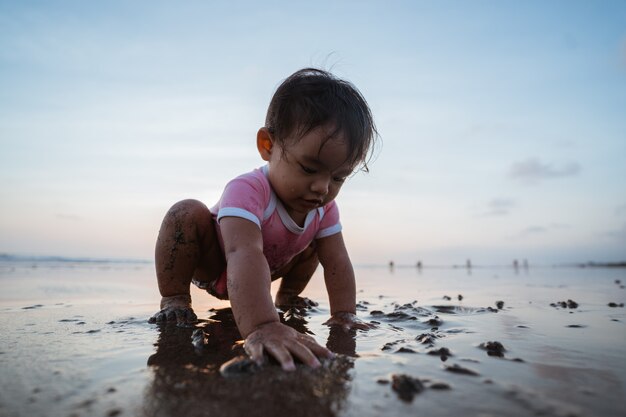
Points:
(74, 341)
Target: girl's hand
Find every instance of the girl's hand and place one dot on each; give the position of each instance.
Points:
(283, 343)
(348, 321)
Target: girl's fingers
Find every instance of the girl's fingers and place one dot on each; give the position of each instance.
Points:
(255, 351)
(321, 351)
(304, 354)
(284, 344)
(282, 355)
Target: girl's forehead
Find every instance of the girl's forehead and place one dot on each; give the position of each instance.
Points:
(318, 147)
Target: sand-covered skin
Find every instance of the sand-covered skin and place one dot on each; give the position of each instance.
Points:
(75, 341)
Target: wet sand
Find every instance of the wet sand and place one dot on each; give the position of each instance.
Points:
(75, 341)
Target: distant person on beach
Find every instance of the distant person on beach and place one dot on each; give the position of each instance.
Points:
(278, 221)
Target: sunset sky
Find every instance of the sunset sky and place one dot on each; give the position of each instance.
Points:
(503, 124)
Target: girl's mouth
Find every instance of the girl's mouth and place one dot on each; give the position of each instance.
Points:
(313, 202)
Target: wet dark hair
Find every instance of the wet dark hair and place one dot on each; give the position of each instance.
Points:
(310, 98)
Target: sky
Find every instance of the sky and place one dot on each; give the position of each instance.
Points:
(502, 123)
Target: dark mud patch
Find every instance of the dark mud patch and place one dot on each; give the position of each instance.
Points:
(434, 321)
(458, 369)
(440, 386)
(571, 304)
(362, 305)
(428, 339)
(443, 353)
(391, 345)
(405, 350)
(462, 310)
(494, 348)
(406, 386)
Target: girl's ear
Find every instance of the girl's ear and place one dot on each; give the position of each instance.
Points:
(264, 143)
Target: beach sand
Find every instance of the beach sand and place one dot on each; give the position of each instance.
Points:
(75, 341)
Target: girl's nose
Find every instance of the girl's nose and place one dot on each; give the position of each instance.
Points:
(320, 186)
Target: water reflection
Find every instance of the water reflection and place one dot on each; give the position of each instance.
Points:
(187, 379)
(342, 342)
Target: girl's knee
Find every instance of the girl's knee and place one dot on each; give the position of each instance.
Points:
(188, 208)
(189, 212)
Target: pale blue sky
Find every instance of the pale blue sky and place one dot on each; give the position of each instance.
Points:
(503, 124)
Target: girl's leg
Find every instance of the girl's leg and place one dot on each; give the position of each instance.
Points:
(187, 247)
(295, 278)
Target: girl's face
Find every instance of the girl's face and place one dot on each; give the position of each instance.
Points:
(307, 173)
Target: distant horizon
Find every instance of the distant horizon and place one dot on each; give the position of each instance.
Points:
(424, 265)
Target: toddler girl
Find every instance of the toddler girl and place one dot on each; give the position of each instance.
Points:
(278, 221)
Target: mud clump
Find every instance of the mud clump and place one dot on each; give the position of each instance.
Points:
(439, 386)
(500, 304)
(447, 297)
(362, 305)
(443, 353)
(406, 386)
(427, 338)
(404, 312)
(460, 297)
(390, 345)
(458, 369)
(434, 321)
(615, 305)
(494, 348)
(400, 315)
(565, 304)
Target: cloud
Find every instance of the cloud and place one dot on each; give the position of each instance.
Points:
(620, 210)
(619, 234)
(498, 207)
(536, 230)
(533, 230)
(68, 216)
(532, 171)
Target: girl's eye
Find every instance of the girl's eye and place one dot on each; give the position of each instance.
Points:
(339, 179)
(307, 169)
